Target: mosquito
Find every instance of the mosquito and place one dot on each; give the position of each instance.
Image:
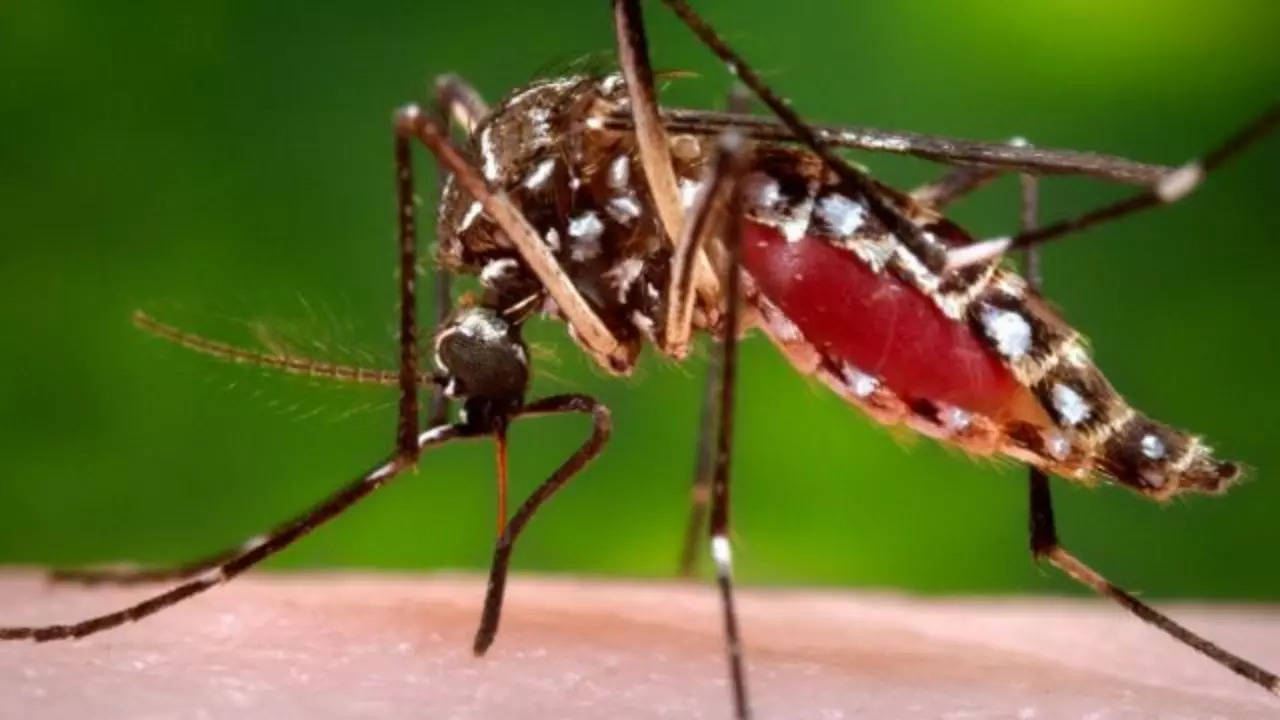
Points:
(580, 198)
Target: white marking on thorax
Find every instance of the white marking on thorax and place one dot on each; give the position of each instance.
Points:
(1071, 406)
(842, 214)
(689, 190)
(1009, 330)
(489, 154)
(619, 177)
(540, 174)
(552, 239)
(540, 119)
(624, 274)
(472, 213)
(495, 269)
(586, 226)
(623, 209)
(643, 323)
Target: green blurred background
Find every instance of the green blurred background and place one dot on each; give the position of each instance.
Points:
(227, 167)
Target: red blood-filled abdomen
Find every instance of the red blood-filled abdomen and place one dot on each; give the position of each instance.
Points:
(876, 322)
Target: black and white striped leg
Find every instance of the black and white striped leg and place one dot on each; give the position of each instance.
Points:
(731, 146)
(700, 491)
(1170, 188)
(1044, 533)
(601, 427)
(408, 380)
(248, 555)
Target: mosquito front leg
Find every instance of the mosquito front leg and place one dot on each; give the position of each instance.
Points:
(601, 427)
(706, 219)
(458, 102)
(590, 329)
(250, 554)
(652, 140)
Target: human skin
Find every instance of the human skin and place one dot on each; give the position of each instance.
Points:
(345, 645)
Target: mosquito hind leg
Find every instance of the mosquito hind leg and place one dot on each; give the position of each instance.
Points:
(1170, 188)
(1044, 533)
(1045, 546)
(600, 430)
(700, 490)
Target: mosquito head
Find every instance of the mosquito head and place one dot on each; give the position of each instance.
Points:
(484, 362)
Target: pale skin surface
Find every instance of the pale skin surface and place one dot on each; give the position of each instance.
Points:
(335, 645)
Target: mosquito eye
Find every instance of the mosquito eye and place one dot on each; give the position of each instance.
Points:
(483, 356)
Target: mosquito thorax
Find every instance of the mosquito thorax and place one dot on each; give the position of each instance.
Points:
(581, 186)
(484, 362)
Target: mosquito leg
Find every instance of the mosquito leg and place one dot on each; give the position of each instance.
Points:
(601, 427)
(250, 554)
(407, 421)
(1044, 545)
(935, 148)
(1043, 529)
(731, 149)
(954, 185)
(411, 122)
(700, 492)
(1171, 188)
(930, 254)
(651, 139)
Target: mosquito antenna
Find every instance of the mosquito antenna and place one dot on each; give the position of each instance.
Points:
(1171, 188)
(291, 364)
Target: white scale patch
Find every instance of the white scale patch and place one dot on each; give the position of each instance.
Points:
(1152, 446)
(619, 177)
(1010, 332)
(472, 213)
(552, 239)
(762, 191)
(495, 269)
(490, 154)
(955, 419)
(797, 223)
(623, 209)
(1071, 407)
(1058, 445)
(586, 226)
(689, 190)
(624, 274)
(842, 214)
(540, 174)
(859, 382)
